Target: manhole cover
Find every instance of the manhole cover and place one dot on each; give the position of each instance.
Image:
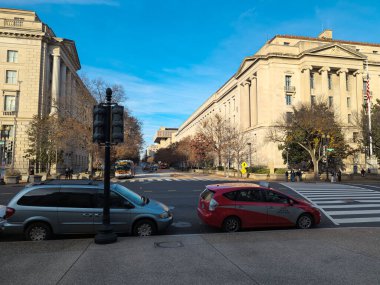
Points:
(168, 244)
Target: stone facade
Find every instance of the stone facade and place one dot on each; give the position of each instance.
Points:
(286, 71)
(38, 77)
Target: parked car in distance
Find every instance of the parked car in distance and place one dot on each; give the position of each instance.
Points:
(235, 206)
(41, 210)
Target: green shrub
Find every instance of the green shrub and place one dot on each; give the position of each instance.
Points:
(280, 170)
(259, 169)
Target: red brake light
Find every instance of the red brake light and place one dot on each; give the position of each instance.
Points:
(9, 212)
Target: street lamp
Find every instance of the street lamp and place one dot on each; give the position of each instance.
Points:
(250, 150)
(4, 135)
(325, 143)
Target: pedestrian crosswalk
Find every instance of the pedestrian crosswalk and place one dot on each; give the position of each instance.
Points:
(342, 204)
(158, 179)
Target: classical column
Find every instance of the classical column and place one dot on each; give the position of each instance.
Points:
(325, 84)
(68, 89)
(63, 84)
(245, 105)
(55, 82)
(343, 92)
(253, 93)
(358, 95)
(247, 87)
(305, 84)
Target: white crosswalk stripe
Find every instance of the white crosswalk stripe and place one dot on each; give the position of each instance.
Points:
(161, 179)
(342, 204)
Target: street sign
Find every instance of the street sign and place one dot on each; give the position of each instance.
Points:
(1, 142)
(243, 167)
(330, 149)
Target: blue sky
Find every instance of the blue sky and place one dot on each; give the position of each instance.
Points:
(171, 55)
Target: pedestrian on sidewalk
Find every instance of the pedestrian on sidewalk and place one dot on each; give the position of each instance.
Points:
(287, 176)
(292, 175)
(362, 172)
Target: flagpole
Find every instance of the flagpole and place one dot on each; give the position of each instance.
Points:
(369, 112)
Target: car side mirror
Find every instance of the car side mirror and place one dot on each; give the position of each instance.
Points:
(291, 202)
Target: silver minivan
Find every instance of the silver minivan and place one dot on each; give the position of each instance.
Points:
(41, 210)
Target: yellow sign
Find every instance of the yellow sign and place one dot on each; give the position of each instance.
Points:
(243, 167)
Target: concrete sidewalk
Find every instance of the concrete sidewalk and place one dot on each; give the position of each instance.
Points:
(317, 256)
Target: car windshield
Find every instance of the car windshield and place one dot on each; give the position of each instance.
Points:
(130, 195)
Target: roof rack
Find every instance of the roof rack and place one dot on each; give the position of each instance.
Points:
(65, 182)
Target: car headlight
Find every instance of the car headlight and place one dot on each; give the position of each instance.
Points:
(164, 215)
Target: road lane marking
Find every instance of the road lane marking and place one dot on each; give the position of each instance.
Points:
(6, 193)
(196, 190)
(345, 198)
(358, 220)
(352, 206)
(361, 212)
(172, 190)
(148, 191)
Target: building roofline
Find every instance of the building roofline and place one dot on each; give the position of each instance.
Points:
(322, 40)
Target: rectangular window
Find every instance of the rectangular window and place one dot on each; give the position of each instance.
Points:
(312, 80)
(10, 103)
(18, 21)
(347, 83)
(286, 43)
(349, 118)
(288, 81)
(12, 56)
(289, 117)
(329, 80)
(11, 77)
(312, 99)
(288, 99)
(375, 51)
(348, 102)
(355, 137)
(331, 101)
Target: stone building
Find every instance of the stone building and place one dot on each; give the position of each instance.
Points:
(39, 77)
(288, 70)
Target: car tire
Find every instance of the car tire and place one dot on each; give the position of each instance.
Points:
(144, 228)
(231, 224)
(305, 221)
(38, 231)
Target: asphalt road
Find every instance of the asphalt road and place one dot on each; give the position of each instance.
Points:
(182, 197)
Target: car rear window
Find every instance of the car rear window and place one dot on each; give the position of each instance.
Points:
(207, 195)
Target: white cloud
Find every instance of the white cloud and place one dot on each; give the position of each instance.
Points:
(72, 2)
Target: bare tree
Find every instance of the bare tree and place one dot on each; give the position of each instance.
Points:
(98, 86)
(216, 129)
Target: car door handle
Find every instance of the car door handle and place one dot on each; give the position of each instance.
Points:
(87, 214)
(98, 215)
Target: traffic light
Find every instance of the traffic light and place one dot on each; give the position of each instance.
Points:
(117, 131)
(99, 124)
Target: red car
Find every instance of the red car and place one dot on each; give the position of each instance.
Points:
(232, 206)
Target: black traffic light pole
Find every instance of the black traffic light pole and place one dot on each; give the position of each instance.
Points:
(106, 234)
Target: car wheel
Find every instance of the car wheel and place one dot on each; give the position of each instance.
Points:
(231, 224)
(305, 221)
(144, 228)
(38, 231)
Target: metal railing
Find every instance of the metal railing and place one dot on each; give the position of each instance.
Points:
(289, 88)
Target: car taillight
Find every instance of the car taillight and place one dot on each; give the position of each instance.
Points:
(213, 204)
(9, 212)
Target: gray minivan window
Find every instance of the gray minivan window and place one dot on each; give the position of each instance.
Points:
(116, 201)
(77, 198)
(46, 197)
(130, 195)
